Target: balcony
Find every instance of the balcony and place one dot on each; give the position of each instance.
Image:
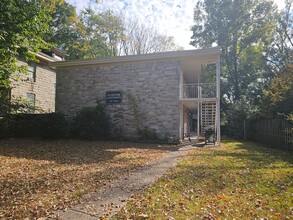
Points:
(198, 91)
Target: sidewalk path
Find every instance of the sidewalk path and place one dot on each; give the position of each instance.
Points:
(109, 200)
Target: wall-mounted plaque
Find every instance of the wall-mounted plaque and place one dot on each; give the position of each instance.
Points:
(113, 97)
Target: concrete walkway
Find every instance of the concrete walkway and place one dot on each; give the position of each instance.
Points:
(109, 200)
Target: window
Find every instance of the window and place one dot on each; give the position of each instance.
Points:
(31, 70)
(31, 100)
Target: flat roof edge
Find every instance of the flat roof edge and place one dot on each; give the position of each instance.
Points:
(131, 58)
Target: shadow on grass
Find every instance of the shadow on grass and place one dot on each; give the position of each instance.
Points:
(71, 151)
(257, 152)
(227, 179)
(243, 159)
(245, 164)
(254, 156)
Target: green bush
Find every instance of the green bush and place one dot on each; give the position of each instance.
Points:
(44, 126)
(23, 126)
(147, 133)
(92, 123)
(51, 126)
(237, 113)
(4, 132)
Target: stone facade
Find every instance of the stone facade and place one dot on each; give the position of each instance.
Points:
(43, 87)
(152, 86)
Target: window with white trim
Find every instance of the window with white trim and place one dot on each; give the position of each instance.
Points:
(31, 71)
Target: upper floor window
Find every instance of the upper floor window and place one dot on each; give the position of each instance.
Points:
(32, 71)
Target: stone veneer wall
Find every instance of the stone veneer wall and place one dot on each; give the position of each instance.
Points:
(43, 87)
(154, 84)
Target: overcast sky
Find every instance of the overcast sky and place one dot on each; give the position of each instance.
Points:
(171, 17)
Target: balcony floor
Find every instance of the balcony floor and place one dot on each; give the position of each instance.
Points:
(198, 99)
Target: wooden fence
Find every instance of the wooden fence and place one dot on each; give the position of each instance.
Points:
(275, 133)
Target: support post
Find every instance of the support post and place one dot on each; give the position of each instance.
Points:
(198, 111)
(181, 131)
(218, 121)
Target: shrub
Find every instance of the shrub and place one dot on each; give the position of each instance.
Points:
(4, 132)
(42, 126)
(92, 123)
(23, 126)
(237, 114)
(51, 126)
(147, 133)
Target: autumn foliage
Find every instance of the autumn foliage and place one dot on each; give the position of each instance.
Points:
(278, 96)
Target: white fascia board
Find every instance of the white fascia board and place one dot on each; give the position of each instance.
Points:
(45, 57)
(194, 54)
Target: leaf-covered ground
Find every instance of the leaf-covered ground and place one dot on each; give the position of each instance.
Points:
(236, 181)
(38, 177)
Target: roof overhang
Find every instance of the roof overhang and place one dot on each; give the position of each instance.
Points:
(44, 57)
(209, 54)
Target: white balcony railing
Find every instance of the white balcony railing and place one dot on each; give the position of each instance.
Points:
(198, 90)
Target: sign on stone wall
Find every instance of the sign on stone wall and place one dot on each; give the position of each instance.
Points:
(113, 97)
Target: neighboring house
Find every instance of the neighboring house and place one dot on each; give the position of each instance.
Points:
(38, 86)
(176, 93)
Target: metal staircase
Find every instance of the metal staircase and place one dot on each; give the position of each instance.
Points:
(208, 115)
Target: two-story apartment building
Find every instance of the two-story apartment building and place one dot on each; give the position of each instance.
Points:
(38, 86)
(175, 93)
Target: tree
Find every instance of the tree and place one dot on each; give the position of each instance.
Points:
(277, 97)
(237, 113)
(112, 28)
(102, 34)
(279, 50)
(238, 27)
(22, 26)
(63, 24)
(277, 92)
(143, 39)
(97, 35)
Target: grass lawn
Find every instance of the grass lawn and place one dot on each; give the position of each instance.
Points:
(38, 177)
(237, 181)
